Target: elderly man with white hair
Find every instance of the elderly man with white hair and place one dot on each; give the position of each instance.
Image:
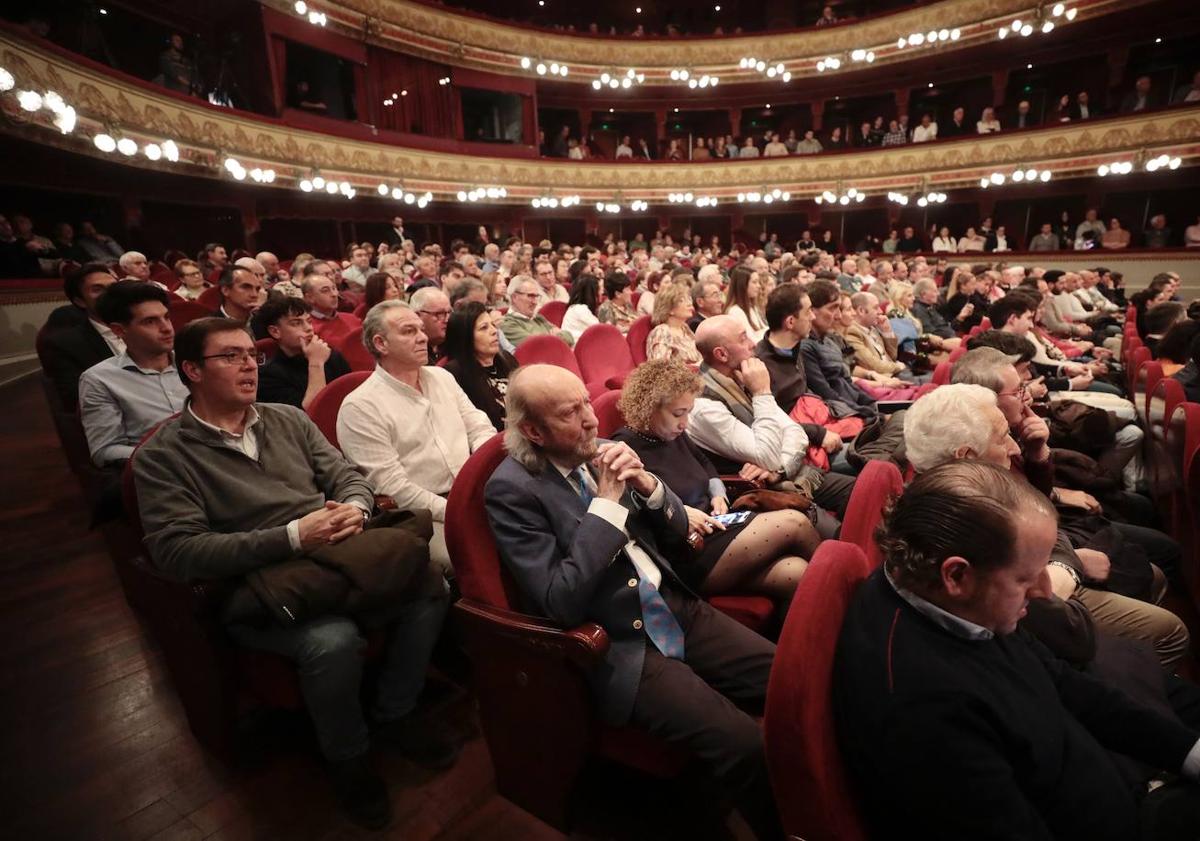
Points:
(270, 263)
(134, 265)
(409, 427)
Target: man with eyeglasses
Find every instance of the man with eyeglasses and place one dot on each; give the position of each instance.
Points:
(304, 363)
(549, 288)
(230, 489)
(321, 293)
(433, 306)
(522, 319)
(708, 300)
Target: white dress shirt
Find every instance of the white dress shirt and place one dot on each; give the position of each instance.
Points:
(922, 134)
(114, 342)
(577, 319)
(774, 441)
(411, 444)
(616, 515)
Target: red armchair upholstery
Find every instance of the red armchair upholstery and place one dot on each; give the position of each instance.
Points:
(1153, 375)
(355, 353)
(553, 312)
(603, 356)
(878, 482)
(186, 312)
(941, 373)
(811, 785)
(210, 298)
(1133, 368)
(324, 407)
(957, 353)
(638, 331)
(549, 350)
(267, 348)
(607, 413)
(1167, 456)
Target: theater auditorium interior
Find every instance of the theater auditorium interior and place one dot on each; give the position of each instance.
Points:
(740, 419)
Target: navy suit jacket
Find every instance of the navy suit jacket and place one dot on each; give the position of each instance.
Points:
(67, 354)
(572, 568)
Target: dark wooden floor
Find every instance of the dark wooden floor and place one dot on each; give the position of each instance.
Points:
(94, 744)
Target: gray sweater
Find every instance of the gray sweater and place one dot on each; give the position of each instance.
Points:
(210, 511)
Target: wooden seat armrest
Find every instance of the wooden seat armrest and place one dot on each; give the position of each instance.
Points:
(585, 645)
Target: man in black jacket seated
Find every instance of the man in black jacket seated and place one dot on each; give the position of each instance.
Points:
(933, 685)
(75, 337)
(304, 364)
(586, 532)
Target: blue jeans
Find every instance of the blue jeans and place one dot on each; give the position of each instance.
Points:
(328, 655)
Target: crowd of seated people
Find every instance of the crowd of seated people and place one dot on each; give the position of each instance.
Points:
(764, 369)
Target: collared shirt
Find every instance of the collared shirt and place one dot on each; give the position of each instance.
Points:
(922, 133)
(355, 275)
(616, 514)
(773, 441)
(119, 402)
(114, 342)
(945, 620)
(411, 444)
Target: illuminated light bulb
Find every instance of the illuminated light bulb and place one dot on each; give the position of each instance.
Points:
(409, 198)
(870, 56)
(525, 63)
(306, 186)
(641, 77)
(382, 189)
(631, 73)
(126, 146)
(901, 42)
(1102, 170)
(152, 151)
(955, 34)
(1058, 9)
(552, 202)
(916, 39)
(554, 68)
(1071, 14)
(984, 183)
(613, 83)
(771, 72)
(741, 197)
(786, 196)
(819, 199)
(541, 69)
(1016, 25)
(626, 83)
(240, 174)
(318, 182)
(1026, 30)
(331, 187)
(170, 150)
(30, 100)
(1018, 176)
(596, 84)
(1175, 163)
(674, 75)
(1031, 174)
(6, 81)
(844, 200)
(692, 83)
(1003, 32)
(1045, 176)
(683, 74)
(65, 120)
(301, 7)
(104, 143)
(1047, 27)
(821, 66)
(787, 76)
(562, 70)
(829, 196)
(860, 197)
(858, 55)
(53, 102)
(713, 81)
(997, 178)
(462, 196)
(943, 35)
(922, 202)
(760, 66)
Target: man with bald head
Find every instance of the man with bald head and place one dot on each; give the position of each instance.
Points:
(589, 534)
(270, 263)
(738, 423)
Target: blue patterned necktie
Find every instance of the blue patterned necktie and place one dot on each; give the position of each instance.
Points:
(659, 622)
(585, 491)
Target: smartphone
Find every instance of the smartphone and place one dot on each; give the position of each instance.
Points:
(734, 519)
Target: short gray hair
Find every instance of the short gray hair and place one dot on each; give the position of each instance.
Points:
(466, 288)
(423, 295)
(982, 366)
(518, 283)
(375, 323)
(128, 257)
(944, 420)
(922, 284)
(518, 410)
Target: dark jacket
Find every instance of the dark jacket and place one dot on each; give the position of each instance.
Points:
(285, 378)
(789, 383)
(829, 378)
(918, 707)
(478, 390)
(66, 354)
(571, 567)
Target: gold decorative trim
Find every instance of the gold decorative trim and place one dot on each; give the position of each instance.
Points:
(206, 135)
(463, 40)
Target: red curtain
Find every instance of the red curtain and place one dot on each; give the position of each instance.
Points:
(428, 108)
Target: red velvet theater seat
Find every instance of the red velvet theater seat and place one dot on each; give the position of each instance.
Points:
(878, 482)
(603, 357)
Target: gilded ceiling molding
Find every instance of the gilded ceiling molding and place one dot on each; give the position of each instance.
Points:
(462, 40)
(206, 136)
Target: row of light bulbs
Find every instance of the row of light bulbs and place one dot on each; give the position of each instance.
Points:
(127, 146)
(689, 198)
(542, 68)
(929, 39)
(606, 79)
(400, 194)
(314, 17)
(1152, 165)
(764, 197)
(263, 176)
(318, 183)
(482, 193)
(553, 202)
(1030, 175)
(694, 81)
(395, 97)
(32, 101)
(850, 195)
(771, 71)
(1025, 28)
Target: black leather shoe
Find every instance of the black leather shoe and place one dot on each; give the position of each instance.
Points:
(421, 739)
(361, 792)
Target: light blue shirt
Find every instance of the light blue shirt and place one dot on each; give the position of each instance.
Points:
(120, 402)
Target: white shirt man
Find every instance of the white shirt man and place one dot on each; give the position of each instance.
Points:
(624, 150)
(360, 267)
(926, 131)
(410, 427)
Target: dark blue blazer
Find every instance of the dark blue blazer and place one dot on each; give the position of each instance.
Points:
(572, 568)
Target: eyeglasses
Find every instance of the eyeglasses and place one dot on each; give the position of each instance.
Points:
(525, 295)
(1021, 391)
(438, 314)
(237, 357)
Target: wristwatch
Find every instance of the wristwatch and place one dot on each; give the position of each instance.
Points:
(1074, 573)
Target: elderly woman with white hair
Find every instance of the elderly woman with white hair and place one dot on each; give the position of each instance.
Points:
(954, 422)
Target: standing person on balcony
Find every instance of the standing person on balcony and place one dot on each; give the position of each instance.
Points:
(176, 71)
(231, 488)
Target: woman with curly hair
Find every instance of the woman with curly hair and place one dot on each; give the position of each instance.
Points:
(766, 554)
(671, 337)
